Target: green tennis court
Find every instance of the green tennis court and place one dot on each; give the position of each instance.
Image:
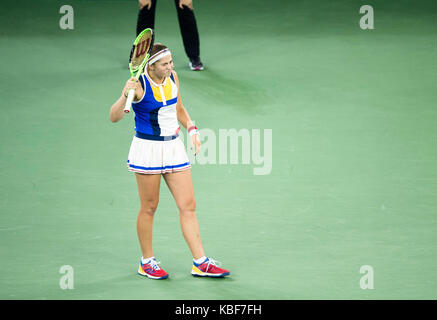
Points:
(353, 178)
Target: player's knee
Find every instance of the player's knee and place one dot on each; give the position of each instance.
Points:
(188, 206)
(149, 208)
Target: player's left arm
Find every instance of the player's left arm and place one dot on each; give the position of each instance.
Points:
(184, 117)
(182, 113)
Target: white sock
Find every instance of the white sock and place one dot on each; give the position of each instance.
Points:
(144, 261)
(200, 260)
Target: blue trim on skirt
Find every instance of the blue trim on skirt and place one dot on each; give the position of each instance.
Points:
(158, 168)
(156, 138)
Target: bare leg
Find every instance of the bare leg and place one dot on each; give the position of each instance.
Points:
(181, 186)
(148, 190)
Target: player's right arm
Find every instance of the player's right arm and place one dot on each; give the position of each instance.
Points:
(117, 110)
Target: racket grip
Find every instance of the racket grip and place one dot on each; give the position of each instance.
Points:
(130, 98)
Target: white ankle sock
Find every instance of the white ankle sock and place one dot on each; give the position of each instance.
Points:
(144, 261)
(200, 260)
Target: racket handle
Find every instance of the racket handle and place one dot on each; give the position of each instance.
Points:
(130, 98)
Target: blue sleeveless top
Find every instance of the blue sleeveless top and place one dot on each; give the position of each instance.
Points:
(155, 113)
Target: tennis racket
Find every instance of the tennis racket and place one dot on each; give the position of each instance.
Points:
(139, 55)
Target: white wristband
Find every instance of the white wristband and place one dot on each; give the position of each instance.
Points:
(193, 132)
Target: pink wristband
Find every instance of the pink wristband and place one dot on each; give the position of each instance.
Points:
(192, 128)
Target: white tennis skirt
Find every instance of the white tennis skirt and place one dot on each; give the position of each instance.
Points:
(157, 157)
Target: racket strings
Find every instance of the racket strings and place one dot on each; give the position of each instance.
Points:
(140, 50)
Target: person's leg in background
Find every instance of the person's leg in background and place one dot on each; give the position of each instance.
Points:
(190, 34)
(146, 15)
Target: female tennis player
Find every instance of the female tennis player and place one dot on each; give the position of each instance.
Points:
(157, 150)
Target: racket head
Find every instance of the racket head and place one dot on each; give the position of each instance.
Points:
(141, 50)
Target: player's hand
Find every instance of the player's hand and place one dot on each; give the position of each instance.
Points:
(195, 141)
(188, 3)
(132, 83)
(143, 3)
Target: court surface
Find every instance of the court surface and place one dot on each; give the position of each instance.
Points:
(353, 180)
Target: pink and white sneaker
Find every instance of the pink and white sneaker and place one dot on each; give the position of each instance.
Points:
(152, 270)
(209, 268)
(196, 64)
